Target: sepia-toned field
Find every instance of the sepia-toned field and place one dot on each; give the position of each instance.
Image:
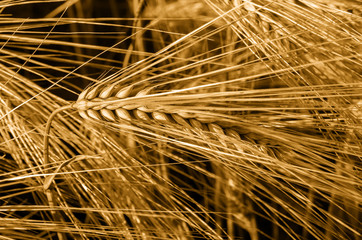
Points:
(182, 119)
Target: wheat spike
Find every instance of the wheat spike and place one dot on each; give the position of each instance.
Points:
(97, 99)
